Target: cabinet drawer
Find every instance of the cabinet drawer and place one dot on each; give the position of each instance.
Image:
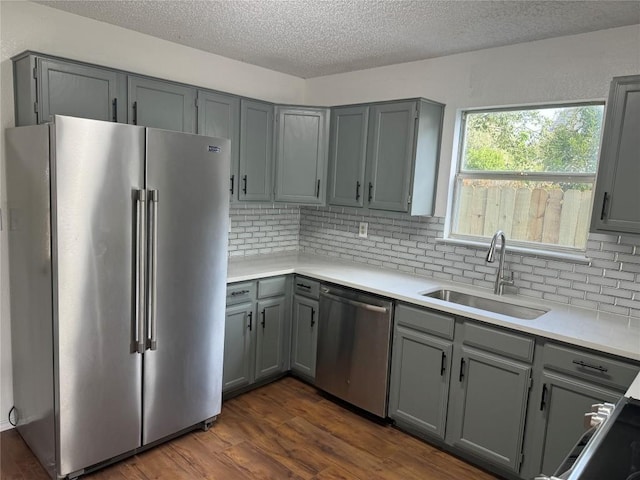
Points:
(501, 342)
(425, 321)
(306, 287)
(272, 287)
(590, 366)
(240, 292)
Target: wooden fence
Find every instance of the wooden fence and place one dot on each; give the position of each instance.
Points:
(542, 215)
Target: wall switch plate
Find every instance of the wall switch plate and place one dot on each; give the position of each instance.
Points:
(363, 230)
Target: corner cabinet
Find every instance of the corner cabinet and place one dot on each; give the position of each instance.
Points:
(160, 104)
(301, 155)
(48, 86)
(617, 195)
(256, 151)
(401, 156)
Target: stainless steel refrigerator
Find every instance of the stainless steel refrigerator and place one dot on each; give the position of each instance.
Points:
(118, 263)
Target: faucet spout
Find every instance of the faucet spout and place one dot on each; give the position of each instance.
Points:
(501, 281)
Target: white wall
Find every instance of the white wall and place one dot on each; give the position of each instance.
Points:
(577, 67)
(28, 26)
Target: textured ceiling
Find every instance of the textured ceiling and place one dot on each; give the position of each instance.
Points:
(310, 38)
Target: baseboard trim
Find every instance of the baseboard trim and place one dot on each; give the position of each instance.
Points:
(5, 425)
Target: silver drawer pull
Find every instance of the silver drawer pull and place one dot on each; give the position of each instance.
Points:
(365, 306)
(599, 368)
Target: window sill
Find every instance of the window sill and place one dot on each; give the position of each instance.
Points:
(570, 257)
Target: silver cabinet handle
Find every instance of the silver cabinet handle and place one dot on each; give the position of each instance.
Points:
(152, 329)
(139, 269)
(365, 306)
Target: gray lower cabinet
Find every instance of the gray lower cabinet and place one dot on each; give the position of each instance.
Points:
(160, 104)
(270, 336)
(238, 346)
(301, 154)
(617, 195)
(489, 396)
(304, 339)
(571, 380)
(419, 388)
(348, 155)
(256, 151)
(48, 86)
(563, 403)
(219, 116)
(257, 332)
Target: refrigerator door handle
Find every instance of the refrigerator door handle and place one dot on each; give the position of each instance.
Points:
(139, 270)
(152, 343)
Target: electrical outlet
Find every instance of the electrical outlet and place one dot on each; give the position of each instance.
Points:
(364, 227)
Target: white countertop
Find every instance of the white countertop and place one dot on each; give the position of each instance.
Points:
(601, 331)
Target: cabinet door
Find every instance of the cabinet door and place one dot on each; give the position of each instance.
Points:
(390, 151)
(617, 194)
(79, 91)
(219, 116)
(164, 105)
(563, 403)
(348, 155)
(256, 151)
(488, 406)
(420, 372)
(239, 327)
(270, 336)
(305, 336)
(301, 157)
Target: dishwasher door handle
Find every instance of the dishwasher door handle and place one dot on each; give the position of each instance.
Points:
(355, 303)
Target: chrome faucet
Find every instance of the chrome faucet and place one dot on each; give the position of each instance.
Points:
(501, 281)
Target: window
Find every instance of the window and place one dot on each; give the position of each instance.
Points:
(529, 172)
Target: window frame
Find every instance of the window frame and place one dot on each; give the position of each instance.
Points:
(458, 175)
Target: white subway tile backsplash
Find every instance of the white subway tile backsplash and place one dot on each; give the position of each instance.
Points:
(611, 282)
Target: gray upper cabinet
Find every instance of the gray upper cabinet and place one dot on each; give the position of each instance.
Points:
(390, 154)
(46, 87)
(301, 155)
(403, 148)
(219, 116)
(617, 195)
(256, 151)
(348, 155)
(488, 404)
(159, 104)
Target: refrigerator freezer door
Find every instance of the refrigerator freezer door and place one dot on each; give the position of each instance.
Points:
(183, 366)
(97, 170)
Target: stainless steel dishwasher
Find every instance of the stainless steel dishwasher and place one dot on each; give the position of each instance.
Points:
(354, 341)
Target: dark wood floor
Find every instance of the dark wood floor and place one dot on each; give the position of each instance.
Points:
(283, 430)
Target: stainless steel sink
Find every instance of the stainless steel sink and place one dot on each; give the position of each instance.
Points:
(503, 308)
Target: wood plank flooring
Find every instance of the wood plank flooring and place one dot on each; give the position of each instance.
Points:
(282, 430)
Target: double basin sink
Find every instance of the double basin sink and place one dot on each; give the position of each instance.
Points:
(487, 304)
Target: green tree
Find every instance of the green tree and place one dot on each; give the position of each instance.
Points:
(541, 140)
